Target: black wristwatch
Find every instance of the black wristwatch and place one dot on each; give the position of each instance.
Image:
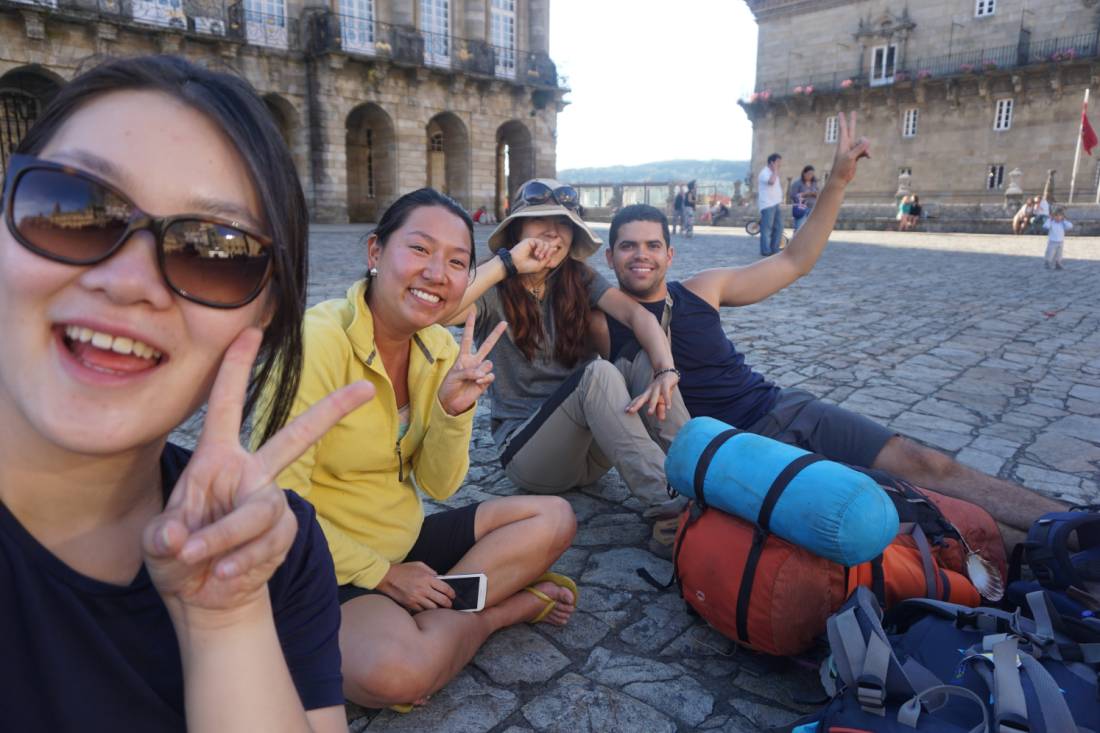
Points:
(506, 260)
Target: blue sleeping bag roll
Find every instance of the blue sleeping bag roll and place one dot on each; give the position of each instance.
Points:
(831, 510)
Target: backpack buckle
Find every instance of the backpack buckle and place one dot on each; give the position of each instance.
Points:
(1012, 725)
(871, 694)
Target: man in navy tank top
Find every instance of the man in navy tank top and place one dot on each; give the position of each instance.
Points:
(716, 382)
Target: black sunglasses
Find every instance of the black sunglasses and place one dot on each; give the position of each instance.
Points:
(67, 215)
(535, 193)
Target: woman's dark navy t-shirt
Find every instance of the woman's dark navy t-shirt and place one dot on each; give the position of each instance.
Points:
(715, 380)
(83, 655)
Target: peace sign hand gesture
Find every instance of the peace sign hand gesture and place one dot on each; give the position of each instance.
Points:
(471, 374)
(227, 526)
(849, 149)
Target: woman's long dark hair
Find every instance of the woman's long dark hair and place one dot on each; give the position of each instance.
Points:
(808, 169)
(232, 104)
(568, 292)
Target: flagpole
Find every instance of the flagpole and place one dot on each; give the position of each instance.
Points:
(1077, 153)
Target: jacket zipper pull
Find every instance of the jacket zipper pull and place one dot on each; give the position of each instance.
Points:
(400, 462)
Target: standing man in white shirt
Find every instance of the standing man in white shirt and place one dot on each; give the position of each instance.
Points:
(769, 199)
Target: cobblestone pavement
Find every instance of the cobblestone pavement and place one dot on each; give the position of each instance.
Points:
(964, 342)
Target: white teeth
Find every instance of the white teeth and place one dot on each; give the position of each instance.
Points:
(425, 296)
(107, 342)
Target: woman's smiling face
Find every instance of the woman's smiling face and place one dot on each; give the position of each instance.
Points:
(423, 270)
(105, 358)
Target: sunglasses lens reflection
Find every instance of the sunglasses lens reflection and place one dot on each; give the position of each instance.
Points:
(68, 217)
(214, 262)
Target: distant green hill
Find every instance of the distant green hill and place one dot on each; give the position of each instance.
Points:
(664, 170)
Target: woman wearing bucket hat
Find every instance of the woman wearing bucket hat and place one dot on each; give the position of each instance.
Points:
(560, 417)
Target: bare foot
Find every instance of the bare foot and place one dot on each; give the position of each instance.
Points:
(563, 609)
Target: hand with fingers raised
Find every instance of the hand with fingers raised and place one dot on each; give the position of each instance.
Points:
(849, 150)
(227, 526)
(471, 374)
(416, 587)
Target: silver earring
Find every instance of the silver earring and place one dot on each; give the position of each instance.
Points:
(373, 272)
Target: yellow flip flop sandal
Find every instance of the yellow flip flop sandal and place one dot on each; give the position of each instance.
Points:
(402, 708)
(559, 580)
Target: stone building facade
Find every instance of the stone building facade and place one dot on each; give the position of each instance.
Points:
(959, 93)
(375, 98)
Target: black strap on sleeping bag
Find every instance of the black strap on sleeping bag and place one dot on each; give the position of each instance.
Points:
(696, 509)
(760, 536)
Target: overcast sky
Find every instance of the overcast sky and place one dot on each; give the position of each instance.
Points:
(653, 79)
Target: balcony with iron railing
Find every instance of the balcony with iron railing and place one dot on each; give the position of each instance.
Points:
(332, 32)
(202, 18)
(1021, 55)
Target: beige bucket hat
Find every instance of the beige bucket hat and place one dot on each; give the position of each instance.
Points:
(585, 242)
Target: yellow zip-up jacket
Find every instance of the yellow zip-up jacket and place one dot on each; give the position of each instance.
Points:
(359, 476)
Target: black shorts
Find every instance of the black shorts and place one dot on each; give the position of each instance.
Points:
(799, 418)
(444, 538)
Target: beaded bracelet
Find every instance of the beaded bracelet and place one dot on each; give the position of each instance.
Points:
(666, 370)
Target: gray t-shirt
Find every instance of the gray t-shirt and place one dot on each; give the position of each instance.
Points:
(520, 385)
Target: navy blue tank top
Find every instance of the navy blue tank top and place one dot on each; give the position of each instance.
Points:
(715, 380)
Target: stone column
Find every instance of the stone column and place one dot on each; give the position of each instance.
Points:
(474, 25)
(1014, 194)
(538, 31)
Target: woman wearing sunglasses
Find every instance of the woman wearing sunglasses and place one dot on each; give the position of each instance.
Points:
(560, 418)
(404, 635)
(153, 242)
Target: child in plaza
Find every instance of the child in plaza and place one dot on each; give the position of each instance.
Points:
(1057, 226)
(399, 637)
(154, 240)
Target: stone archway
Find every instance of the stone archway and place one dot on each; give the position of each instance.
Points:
(515, 161)
(371, 160)
(285, 116)
(287, 120)
(24, 92)
(448, 168)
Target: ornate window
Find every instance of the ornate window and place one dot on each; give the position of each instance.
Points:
(435, 24)
(265, 22)
(995, 178)
(357, 25)
(1002, 119)
(909, 124)
(883, 61)
(503, 35)
(832, 129)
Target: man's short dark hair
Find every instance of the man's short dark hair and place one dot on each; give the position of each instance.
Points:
(637, 212)
(774, 157)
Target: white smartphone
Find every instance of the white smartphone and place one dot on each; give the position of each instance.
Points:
(469, 590)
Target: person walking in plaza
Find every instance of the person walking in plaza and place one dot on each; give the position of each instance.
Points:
(718, 383)
(1057, 226)
(689, 210)
(803, 196)
(678, 210)
(560, 417)
(400, 639)
(146, 587)
(769, 200)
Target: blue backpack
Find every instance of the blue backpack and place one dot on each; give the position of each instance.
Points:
(1071, 579)
(952, 669)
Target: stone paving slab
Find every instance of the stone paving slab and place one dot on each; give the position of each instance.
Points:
(963, 341)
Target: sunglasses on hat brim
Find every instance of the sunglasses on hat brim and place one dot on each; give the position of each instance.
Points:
(537, 193)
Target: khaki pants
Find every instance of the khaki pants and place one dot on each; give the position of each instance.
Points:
(583, 430)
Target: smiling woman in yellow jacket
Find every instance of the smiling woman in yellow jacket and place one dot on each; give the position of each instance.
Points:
(399, 637)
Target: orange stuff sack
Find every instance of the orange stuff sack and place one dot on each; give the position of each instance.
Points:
(775, 597)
